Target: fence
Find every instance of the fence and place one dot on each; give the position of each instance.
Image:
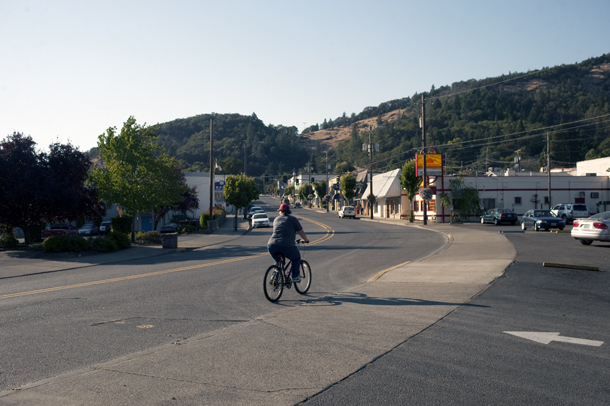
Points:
(215, 224)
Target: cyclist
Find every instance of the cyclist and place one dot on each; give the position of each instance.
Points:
(285, 228)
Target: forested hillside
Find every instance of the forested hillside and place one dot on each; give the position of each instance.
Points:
(477, 124)
(482, 123)
(267, 149)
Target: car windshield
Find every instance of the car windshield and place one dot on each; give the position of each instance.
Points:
(579, 207)
(260, 216)
(87, 226)
(504, 211)
(601, 216)
(348, 208)
(543, 213)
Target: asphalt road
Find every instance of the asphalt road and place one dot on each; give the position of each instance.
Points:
(125, 308)
(468, 358)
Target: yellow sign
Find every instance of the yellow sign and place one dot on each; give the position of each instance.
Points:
(434, 165)
(432, 161)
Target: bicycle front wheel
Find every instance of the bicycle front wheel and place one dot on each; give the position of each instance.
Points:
(273, 284)
(305, 274)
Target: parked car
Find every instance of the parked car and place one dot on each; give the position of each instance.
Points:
(298, 205)
(347, 211)
(105, 227)
(88, 229)
(58, 229)
(570, 211)
(541, 219)
(254, 210)
(260, 220)
(594, 228)
(169, 228)
(497, 216)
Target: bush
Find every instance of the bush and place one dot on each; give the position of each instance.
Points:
(8, 239)
(148, 236)
(108, 245)
(65, 243)
(121, 239)
(122, 224)
(187, 229)
(205, 216)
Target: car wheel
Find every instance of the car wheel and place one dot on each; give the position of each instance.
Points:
(560, 228)
(564, 218)
(586, 242)
(482, 220)
(523, 226)
(496, 222)
(512, 223)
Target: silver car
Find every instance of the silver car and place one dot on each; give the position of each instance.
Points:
(594, 228)
(541, 219)
(347, 211)
(570, 211)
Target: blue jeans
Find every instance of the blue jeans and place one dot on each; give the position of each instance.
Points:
(291, 253)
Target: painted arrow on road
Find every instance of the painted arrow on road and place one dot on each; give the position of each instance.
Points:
(546, 338)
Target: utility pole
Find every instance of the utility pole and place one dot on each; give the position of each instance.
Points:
(423, 138)
(548, 165)
(327, 189)
(211, 171)
(245, 160)
(371, 195)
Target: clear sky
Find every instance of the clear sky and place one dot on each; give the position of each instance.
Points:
(71, 69)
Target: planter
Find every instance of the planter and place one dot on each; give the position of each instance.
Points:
(170, 240)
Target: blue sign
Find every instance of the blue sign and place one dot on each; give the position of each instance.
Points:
(218, 186)
(336, 186)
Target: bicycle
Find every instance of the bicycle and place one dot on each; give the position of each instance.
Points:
(279, 276)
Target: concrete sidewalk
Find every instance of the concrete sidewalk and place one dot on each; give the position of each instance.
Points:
(294, 353)
(15, 263)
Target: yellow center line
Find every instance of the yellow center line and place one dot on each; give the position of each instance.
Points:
(167, 271)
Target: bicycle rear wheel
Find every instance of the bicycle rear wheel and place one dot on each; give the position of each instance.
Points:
(305, 274)
(273, 285)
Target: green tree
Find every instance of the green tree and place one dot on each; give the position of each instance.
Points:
(320, 188)
(133, 177)
(239, 191)
(410, 183)
(347, 183)
(289, 190)
(304, 191)
(466, 199)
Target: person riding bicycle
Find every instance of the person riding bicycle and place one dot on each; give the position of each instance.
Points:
(285, 228)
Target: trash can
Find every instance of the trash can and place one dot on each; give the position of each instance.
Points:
(170, 240)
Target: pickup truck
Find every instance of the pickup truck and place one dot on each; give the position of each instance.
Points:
(58, 229)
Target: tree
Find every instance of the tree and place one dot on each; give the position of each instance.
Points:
(466, 198)
(187, 201)
(239, 191)
(133, 177)
(320, 188)
(231, 166)
(410, 183)
(36, 186)
(304, 191)
(348, 186)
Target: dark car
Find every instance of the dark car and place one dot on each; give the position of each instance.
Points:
(169, 228)
(541, 219)
(497, 216)
(105, 227)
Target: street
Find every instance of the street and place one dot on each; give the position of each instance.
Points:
(397, 314)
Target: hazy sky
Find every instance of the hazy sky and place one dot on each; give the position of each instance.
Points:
(71, 69)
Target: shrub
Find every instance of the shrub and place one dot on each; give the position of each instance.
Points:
(121, 239)
(148, 236)
(35, 230)
(65, 243)
(8, 239)
(108, 245)
(122, 224)
(187, 229)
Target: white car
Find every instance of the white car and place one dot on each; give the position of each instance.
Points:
(347, 211)
(595, 228)
(254, 210)
(260, 220)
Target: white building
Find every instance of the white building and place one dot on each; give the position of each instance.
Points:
(388, 195)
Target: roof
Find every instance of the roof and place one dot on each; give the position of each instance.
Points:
(385, 185)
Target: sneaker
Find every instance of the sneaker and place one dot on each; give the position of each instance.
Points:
(296, 279)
